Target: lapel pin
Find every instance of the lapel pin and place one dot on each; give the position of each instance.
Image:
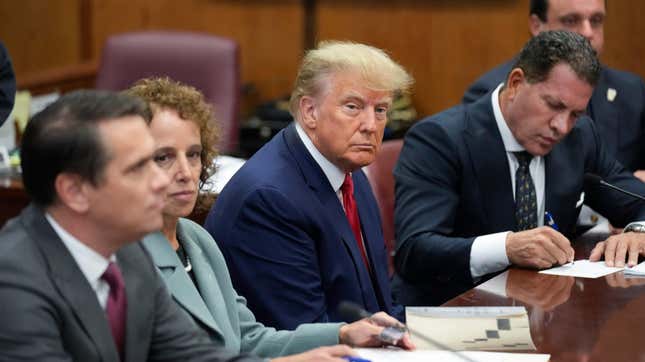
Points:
(611, 94)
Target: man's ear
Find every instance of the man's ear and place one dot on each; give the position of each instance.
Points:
(514, 81)
(72, 191)
(535, 25)
(308, 112)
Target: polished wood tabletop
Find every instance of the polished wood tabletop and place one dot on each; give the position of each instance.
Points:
(573, 319)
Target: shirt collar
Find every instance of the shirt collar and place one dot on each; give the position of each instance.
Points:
(335, 175)
(510, 143)
(91, 263)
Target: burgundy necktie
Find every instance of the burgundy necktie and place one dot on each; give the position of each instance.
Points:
(352, 214)
(116, 305)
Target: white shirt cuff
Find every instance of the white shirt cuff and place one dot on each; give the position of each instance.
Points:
(488, 254)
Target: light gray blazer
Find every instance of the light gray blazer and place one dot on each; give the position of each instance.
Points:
(219, 310)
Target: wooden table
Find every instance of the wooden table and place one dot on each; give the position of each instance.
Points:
(574, 319)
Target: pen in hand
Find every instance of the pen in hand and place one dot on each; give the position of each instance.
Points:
(548, 218)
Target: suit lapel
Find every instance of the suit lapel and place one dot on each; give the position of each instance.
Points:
(490, 164)
(180, 285)
(332, 208)
(71, 283)
(373, 238)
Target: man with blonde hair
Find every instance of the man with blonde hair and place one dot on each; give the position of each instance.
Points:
(298, 224)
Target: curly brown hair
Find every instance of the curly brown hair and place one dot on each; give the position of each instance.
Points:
(189, 103)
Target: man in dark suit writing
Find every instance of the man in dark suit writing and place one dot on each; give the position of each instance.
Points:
(617, 104)
(73, 285)
(473, 183)
(298, 223)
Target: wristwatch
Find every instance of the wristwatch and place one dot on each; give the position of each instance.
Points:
(637, 227)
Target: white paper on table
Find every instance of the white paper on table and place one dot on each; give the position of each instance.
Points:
(387, 355)
(583, 269)
(638, 270)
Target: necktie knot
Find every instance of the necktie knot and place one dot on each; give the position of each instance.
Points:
(348, 185)
(113, 277)
(524, 158)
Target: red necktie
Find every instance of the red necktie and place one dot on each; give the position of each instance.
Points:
(116, 305)
(352, 214)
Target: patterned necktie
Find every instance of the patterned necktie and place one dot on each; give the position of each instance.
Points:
(116, 305)
(525, 199)
(349, 203)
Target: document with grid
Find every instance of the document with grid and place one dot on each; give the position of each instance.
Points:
(470, 328)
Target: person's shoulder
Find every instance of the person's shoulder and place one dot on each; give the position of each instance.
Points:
(446, 121)
(15, 242)
(619, 74)
(498, 73)
(194, 231)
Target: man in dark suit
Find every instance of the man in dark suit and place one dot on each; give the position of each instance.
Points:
(7, 84)
(473, 183)
(618, 101)
(298, 224)
(73, 285)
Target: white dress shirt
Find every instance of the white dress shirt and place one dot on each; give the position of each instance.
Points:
(334, 175)
(91, 263)
(488, 252)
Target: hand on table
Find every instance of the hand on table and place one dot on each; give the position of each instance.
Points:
(365, 332)
(538, 248)
(618, 248)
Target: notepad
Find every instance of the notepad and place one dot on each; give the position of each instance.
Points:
(584, 269)
(470, 328)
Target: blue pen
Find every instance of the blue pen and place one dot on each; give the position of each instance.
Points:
(549, 221)
(355, 359)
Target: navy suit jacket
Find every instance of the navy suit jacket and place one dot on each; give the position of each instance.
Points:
(288, 244)
(453, 184)
(620, 122)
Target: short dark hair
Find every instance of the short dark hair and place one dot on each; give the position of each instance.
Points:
(549, 48)
(539, 8)
(64, 138)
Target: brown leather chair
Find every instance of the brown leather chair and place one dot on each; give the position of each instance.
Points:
(381, 179)
(207, 62)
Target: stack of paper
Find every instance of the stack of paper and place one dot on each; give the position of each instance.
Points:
(470, 328)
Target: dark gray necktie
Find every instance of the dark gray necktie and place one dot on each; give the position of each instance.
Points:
(525, 199)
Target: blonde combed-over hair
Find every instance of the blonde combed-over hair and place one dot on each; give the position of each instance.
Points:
(377, 70)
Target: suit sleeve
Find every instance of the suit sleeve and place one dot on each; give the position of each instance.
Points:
(269, 342)
(272, 257)
(30, 327)
(176, 338)
(255, 338)
(619, 208)
(427, 191)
